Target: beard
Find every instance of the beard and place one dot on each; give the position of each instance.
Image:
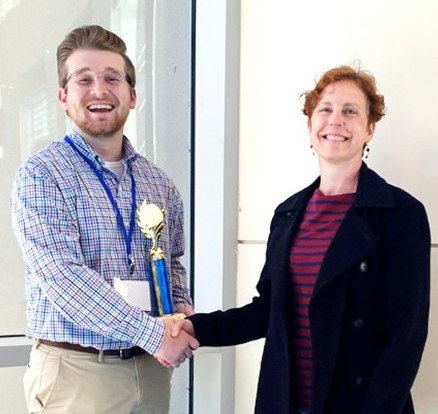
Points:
(100, 127)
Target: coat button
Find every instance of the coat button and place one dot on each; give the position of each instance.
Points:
(358, 323)
(363, 266)
(359, 381)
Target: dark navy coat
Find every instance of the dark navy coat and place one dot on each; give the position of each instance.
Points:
(368, 312)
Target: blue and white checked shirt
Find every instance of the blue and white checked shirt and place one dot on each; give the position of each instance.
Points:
(73, 247)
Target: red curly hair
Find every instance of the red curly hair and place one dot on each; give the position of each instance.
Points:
(364, 80)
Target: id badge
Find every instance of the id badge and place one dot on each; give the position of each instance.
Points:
(135, 292)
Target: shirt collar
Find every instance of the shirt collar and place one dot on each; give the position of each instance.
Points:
(372, 191)
(129, 152)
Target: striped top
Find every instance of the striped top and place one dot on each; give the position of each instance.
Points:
(321, 221)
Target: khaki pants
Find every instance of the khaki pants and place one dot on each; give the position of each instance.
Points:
(59, 381)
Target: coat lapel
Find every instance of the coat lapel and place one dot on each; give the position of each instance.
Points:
(355, 238)
(352, 242)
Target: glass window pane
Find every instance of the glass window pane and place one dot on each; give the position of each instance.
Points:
(158, 38)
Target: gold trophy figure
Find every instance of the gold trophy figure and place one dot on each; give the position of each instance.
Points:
(150, 218)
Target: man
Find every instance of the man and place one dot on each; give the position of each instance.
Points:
(74, 213)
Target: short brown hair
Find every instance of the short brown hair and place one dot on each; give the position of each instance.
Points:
(363, 79)
(95, 38)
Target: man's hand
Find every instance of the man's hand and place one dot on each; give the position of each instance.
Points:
(182, 325)
(175, 348)
(186, 310)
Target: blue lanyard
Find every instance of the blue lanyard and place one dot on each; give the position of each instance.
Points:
(127, 235)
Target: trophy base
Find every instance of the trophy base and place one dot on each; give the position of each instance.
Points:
(173, 316)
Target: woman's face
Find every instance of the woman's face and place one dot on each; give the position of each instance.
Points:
(338, 127)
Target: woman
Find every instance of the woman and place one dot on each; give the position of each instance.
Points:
(344, 293)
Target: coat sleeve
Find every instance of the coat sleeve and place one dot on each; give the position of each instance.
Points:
(232, 327)
(247, 323)
(238, 325)
(407, 288)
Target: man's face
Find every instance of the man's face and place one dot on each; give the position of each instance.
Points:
(97, 97)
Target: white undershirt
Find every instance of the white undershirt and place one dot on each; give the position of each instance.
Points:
(117, 167)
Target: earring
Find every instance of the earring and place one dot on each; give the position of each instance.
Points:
(311, 148)
(366, 150)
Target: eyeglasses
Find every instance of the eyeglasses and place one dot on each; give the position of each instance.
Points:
(84, 79)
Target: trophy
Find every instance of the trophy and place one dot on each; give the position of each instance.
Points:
(150, 218)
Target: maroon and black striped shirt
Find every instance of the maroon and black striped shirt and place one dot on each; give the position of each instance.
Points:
(321, 221)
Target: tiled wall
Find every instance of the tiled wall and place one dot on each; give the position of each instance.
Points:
(282, 60)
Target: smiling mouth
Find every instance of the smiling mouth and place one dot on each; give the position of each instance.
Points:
(334, 138)
(100, 107)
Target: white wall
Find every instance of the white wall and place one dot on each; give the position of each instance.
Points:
(284, 46)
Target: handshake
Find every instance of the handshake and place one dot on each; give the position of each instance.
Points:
(178, 344)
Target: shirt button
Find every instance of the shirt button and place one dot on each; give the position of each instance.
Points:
(363, 266)
(358, 323)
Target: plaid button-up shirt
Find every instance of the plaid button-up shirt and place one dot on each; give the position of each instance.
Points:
(73, 247)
